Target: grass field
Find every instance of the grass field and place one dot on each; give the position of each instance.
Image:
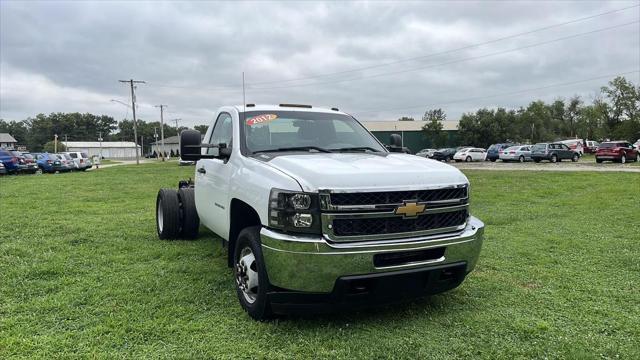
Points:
(82, 274)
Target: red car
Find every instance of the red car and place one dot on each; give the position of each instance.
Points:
(620, 151)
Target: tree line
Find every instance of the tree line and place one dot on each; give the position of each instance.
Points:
(613, 114)
(35, 132)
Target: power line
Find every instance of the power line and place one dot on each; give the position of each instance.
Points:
(448, 51)
(500, 94)
(236, 87)
(450, 62)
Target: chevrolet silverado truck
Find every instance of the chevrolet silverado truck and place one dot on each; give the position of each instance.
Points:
(316, 213)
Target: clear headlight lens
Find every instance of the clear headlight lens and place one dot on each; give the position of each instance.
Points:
(294, 211)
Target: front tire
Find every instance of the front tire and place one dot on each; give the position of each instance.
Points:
(623, 159)
(521, 159)
(554, 158)
(575, 157)
(599, 161)
(251, 280)
(468, 159)
(493, 160)
(167, 214)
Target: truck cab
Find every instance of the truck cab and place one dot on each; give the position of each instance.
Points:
(316, 212)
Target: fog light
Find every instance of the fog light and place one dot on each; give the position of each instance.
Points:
(302, 220)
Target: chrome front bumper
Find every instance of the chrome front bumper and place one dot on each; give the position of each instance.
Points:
(313, 264)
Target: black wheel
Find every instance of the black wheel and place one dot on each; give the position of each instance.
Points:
(575, 157)
(447, 159)
(623, 159)
(554, 158)
(252, 282)
(599, 161)
(521, 159)
(536, 160)
(167, 214)
(468, 159)
(493, 160)
(189, 215)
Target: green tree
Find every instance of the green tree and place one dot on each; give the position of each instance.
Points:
(201, 128)
(52, 148)
(433, 127)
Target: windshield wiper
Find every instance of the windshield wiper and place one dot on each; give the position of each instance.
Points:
(295, 148)
(356, 148)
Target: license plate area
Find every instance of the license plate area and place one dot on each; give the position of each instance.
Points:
(395, 259)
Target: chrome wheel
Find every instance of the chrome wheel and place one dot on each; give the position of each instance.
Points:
(623, 159)
(247, 275)
(159, 216)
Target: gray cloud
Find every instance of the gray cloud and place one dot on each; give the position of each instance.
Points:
(68, 56)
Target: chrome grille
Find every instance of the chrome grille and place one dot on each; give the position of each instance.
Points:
(397, 197)
(397, 225)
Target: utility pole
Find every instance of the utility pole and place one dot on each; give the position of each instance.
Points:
(162, 106)
(176, 120)
(133, 108)
(155, 139)
(100, 156)
(55, 143)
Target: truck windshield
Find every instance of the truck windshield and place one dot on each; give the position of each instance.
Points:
(273, 131)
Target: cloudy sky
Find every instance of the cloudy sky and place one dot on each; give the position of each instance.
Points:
(377, 60)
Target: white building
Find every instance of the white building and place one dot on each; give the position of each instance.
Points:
(108, 149)
(7, 141)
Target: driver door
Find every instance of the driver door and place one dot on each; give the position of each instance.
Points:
(213, 177)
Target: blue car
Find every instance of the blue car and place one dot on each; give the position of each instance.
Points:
(493, 153)
(49, 162)
(10, 161)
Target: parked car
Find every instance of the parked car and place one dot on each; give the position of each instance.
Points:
(186, 162)
(3, 170)
(591, 147)
(519, 153)
(25, 163)
(444, 154)
(426, 152)
(470, 154)
(493, 153)
(553, 152)
(620, 151)
(67, 162)
(10, 161)
(49, 162)
(81, 159)
(637, 144)
(575, 145)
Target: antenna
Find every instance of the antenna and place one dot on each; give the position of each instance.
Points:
(244, 100)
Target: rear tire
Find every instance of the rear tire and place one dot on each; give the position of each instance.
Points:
(190, 220)
(251, 280)
(554, 158)
(493, 160)
(638, 157)
(521, 159)
(167, 214)
(575, 157)
(623, 159)
(468, 159)
(599, 161)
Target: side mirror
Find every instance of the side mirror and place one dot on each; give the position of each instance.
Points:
(395, 142)
(191, 147)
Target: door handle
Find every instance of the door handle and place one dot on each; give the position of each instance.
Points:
(202, 170)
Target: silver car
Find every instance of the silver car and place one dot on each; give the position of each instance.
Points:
(426, 152)
(519, 153)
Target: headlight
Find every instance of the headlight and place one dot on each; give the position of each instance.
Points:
(294, 211)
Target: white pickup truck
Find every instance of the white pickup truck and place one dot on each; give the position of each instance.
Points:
(316, 213)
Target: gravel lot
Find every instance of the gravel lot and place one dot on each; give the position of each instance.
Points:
(582, 165)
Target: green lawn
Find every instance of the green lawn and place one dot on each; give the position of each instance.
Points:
(83, 274)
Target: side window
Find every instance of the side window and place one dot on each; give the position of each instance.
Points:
(74, 155)
(222, 131)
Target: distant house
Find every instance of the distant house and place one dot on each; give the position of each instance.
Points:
(7, 141)
(109, 149)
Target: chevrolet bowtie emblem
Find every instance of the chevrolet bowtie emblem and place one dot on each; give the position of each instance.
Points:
(410, 209)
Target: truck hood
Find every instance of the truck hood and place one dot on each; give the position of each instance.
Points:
(340, 171)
